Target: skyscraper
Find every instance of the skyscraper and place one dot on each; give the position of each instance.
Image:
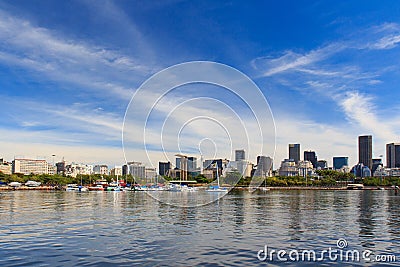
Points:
(240, 155)
(340, 162)
(192, 164)
(365, 150)
(312, 157)
(264, 165)
(164, 167)
(294, 152)
(393, 155)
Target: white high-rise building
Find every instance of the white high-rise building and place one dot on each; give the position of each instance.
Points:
(28, 166)
(136, 169)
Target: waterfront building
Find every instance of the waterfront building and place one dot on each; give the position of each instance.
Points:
(312, 157)
(175, 173)
(100, 169)
(244, 167)
(288, 168)
(240, 155)
(116, 171)
(178, 163)
(375, 164)
(60, 166)
(163, 168)
(340, 162)
(210, 173)
(182, 166)
(322, 165)
(150, 174)
(365, 150)
(264, 166)
(51, 169)
(294, 152)
(136, 169)
(28, 166)
(192, 164)
(75, 169)
(366, 172)
(387, 172)
(305, 168)
(5, 167)
(210, 164)
(360, 170)
(393, 155)
(344, 169)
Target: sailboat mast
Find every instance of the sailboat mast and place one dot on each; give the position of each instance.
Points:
(216, 166)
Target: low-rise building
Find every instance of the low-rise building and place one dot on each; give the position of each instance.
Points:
(5, 167)
(116, 171)
(387, 172)
(150, 173)
(305, 168)
(288, 168)
(74, 169)
(100, 169)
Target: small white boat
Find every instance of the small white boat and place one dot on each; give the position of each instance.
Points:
(174, 188)
(33, 184)
(186, 188)
(76, 188)
(14, 184)
(355, 186)
(264, 189)
(217, 189)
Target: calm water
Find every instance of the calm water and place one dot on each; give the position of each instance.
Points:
(131, 228)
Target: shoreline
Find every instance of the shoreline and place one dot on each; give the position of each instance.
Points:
(239, 188)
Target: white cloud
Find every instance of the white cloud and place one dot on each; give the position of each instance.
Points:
(359, 109)
(298, 62)
(93, 67)
(387, 42)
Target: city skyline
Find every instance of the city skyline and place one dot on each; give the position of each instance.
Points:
(365, 153)
(68, 71)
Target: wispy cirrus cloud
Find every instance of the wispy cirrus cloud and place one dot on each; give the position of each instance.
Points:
(360, 109)
(59, 58)
(319, 72)
(75, 124)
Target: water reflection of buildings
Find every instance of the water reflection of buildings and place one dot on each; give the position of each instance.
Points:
(295, 213)
(366, 219)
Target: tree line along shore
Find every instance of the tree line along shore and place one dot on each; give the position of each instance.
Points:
(325, 178)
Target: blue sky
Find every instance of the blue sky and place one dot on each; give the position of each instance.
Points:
(329, 71)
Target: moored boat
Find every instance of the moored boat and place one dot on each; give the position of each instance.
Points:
(32, 184)
(98, 187)
(355, 186)
(14, 184)
(76, 188)
(216, 188)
